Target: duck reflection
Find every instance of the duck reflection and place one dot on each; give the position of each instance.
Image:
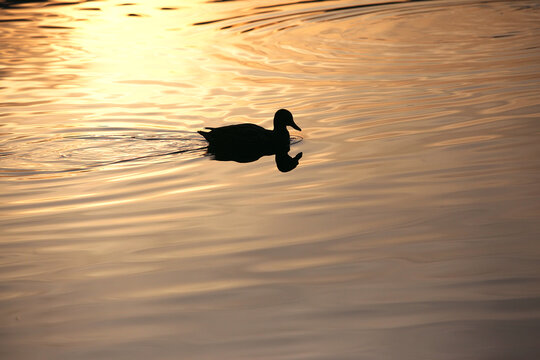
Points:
(249, 142)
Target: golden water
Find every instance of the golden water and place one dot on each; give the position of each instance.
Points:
(409, 230)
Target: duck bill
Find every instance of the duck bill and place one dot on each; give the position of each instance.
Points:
(294, 126)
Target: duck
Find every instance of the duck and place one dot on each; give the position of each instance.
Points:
(250, 138)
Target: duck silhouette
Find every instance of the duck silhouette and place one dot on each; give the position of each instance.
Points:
(252, 137)
(248, 142)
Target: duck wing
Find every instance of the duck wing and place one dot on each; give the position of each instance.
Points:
(236, 135)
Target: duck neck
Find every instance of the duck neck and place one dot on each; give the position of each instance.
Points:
(281, 132)
(281, 136)
(279, 126)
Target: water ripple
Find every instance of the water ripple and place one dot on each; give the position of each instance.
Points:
(413, 214)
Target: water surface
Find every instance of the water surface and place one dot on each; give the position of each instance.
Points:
(408, 230)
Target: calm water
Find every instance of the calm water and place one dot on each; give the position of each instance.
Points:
(409, 230)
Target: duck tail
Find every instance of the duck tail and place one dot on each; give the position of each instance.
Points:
(205, 134)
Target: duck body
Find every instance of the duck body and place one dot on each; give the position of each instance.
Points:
(248, 136)
(249, 142)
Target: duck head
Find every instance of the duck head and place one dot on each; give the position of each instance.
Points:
(284, 118)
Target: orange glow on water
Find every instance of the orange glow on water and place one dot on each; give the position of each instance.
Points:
(412, 214)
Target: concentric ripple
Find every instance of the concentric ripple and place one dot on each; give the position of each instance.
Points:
(60, 154)
(353, 40)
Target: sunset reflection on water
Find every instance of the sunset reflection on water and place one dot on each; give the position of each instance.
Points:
(408, 229)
